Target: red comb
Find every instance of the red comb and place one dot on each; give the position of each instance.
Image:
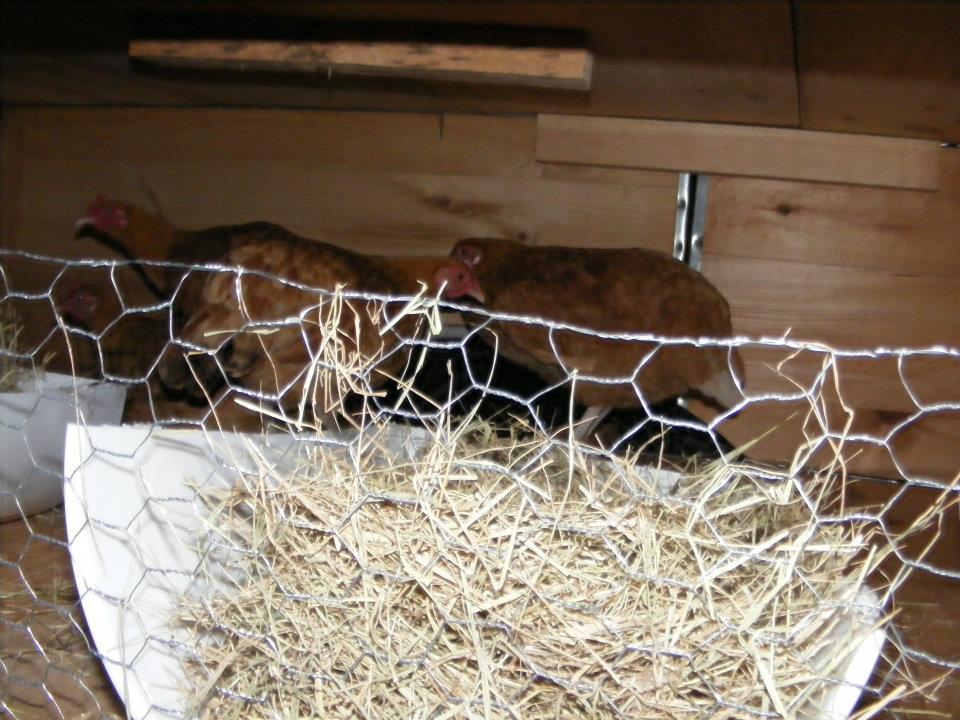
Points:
(107, 216)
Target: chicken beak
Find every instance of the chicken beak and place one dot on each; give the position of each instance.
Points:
(476, 293)
(83, 227)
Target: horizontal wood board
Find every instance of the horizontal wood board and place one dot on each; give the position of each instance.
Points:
(739, 150)
(566, 68)
(908, 233)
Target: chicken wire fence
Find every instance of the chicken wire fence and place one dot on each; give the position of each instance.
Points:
(426, 531)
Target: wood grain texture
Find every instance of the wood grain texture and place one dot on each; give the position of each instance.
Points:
(913, 233)
(853, 266)
(388, 183)
(890, 68)
(739, 150)
(850, 308)
(384, 142)
(864, 397)
(927, 450)
(65, 679)
(873, 386)
(842, 306)
(565, 68)
(727, 62)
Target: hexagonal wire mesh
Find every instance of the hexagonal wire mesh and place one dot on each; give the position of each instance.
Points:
(437, 443)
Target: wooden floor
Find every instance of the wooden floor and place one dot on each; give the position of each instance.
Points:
(39, 604)
(39, 609)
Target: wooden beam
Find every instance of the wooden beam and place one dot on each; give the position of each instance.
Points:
(566, 68)
(890, 68)
(729, 62)
(739, 150)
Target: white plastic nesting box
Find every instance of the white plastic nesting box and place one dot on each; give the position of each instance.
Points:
(133, 520)
(33, 424)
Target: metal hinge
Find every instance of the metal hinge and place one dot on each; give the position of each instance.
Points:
(692, 195)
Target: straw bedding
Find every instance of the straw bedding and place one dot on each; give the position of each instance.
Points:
(484, 576)
(13, 373)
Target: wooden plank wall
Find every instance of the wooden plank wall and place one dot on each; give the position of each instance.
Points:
(380, 182)
(851, 266)
(879, 67)
(725, 62)
(890, 68)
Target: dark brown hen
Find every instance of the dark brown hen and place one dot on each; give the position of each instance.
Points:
(609, 291)
(271, 335)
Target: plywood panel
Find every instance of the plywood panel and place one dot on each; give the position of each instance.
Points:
(402, 142)
(730, 62)
(929, 449)
(379, 182)
(739, 150)
(370, 211)
(883, 67)
(886, 385)
(845, 307)
(455, 144)
(908, 232)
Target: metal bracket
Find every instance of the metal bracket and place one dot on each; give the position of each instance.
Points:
(692, 193)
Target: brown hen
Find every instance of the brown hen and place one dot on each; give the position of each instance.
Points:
(128, 343)
(280, 333)
(138, 234)
(610, 291)
(126, 347)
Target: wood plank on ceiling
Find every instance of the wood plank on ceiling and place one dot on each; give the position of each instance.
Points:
(725, 62)
(739, 150)
(565, 68)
